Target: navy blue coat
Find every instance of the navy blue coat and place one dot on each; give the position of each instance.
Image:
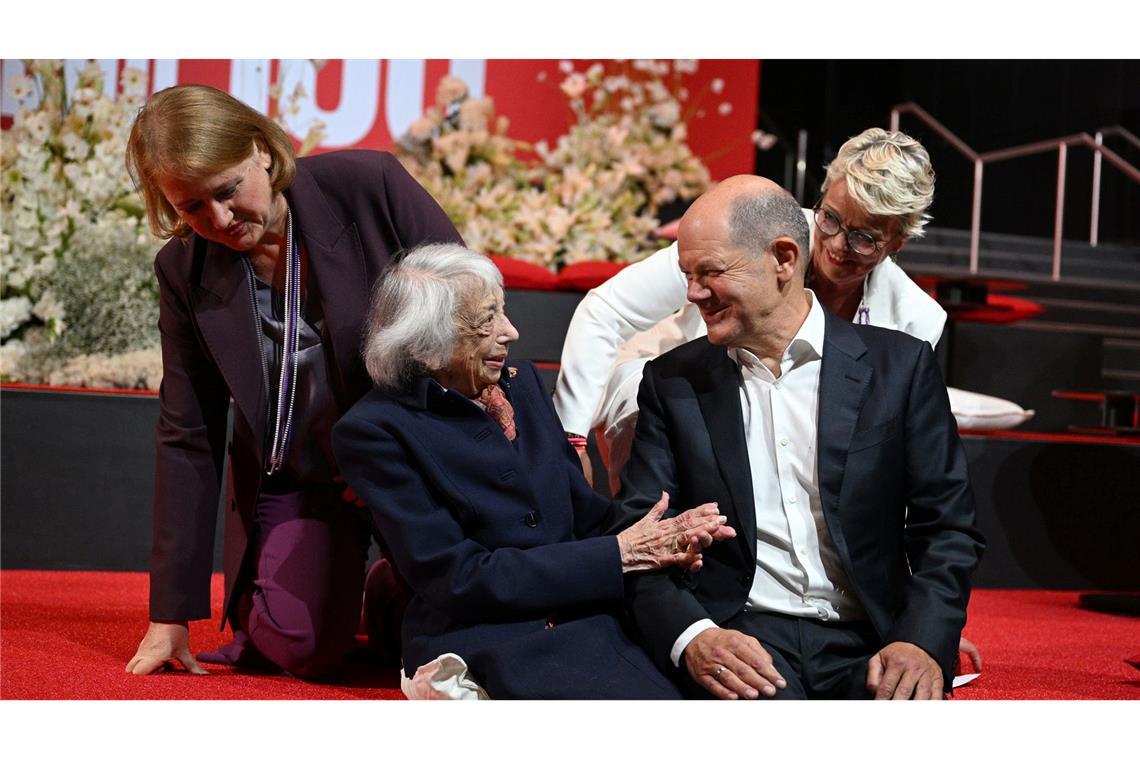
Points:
(501, 542)
(893, 484)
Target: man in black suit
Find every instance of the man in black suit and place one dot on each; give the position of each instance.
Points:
(832, 450)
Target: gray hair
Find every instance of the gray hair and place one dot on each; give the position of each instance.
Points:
(756, 219)
(412, 329)
(888, 174)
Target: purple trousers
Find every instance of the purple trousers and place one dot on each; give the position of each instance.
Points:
(302, 611)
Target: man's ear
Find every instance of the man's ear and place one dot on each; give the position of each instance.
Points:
(788, 258)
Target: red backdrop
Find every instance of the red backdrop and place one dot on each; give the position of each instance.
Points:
(364, 101)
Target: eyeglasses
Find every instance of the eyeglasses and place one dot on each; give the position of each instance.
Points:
(861, 242)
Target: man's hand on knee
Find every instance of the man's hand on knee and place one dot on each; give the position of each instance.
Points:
(731, 665)
(901, 670)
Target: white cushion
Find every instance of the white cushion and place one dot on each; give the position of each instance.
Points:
(976, 411)
(445, 677)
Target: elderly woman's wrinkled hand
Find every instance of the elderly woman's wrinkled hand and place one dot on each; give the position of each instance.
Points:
(653, 543)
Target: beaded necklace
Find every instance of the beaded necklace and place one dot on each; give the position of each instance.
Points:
(287, 383)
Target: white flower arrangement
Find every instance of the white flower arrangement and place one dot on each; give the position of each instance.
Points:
(140, 369)
(593, 197)
(78, 298)
(77, 295)
(66, 191)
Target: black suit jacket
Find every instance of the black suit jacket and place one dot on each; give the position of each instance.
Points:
(892, 478)
(353, 210)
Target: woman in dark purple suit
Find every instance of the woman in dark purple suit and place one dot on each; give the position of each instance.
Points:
(262, 287)
(482, 501)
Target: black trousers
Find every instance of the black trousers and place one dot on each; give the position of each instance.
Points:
(818, 660)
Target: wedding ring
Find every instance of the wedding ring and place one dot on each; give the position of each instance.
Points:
(719, 669)
(675, 547)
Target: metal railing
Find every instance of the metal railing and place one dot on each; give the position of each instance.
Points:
(795, 156)
(1094, 224)
(1061, 145)
(801, 164)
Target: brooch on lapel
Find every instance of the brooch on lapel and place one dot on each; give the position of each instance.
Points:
(512, 372)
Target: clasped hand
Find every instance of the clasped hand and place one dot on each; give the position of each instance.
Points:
(653, 543)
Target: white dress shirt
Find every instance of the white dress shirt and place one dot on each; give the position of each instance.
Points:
(798, 572)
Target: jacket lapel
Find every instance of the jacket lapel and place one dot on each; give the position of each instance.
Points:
(718, 394)
(880, 297)
(336, 263)
(844, 384)
(225, 313)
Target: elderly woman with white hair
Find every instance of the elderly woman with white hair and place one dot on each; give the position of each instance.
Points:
(482, 503)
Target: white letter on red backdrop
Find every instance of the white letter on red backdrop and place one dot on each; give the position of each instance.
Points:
(352, 119)
(249, 82)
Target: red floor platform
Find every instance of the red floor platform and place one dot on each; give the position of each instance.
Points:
(68, 635)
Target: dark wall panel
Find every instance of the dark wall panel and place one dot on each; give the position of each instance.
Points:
(76, 481)
(1055, 515)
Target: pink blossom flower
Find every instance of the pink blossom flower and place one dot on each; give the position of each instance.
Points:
(665, 115)
(763, 140)
(613, 84)
(474, 114)
(451, 89)
(574, 85)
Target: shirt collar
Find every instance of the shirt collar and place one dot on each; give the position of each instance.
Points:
(805, 346)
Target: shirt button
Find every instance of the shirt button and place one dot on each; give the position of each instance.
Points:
(776, 385)
(792, 499)
(784, 441)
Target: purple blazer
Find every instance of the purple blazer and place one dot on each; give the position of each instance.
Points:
(353, 210)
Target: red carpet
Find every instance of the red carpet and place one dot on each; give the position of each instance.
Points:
(68, 635)
(1040, 645)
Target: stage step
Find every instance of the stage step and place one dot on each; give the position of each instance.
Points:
(1097, 310)
(1020, 256)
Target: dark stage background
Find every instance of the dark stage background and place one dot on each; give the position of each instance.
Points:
(990, 105)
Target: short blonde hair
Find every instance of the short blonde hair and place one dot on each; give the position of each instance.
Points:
(191, 132)
(888, 174)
